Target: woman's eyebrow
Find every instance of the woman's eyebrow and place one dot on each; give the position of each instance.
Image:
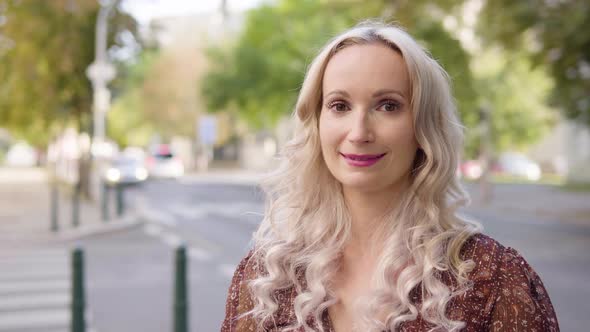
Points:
(337, 92)
(378, 93)
(388, 91)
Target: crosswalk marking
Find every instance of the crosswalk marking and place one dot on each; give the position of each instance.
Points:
(12, 287)
(32, 301)
(34, 319)
(35, 291)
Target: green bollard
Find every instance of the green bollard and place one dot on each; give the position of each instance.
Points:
(76, 205)
(78, 297)
(104, 200)
(54, 207)
(180, 292)
(120, 200)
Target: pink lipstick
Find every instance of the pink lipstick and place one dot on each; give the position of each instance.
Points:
(362, 160)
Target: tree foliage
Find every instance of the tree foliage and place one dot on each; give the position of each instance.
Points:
(262, 73)
(516, 97)
(45, 48)
(159, 96)
(555, 35)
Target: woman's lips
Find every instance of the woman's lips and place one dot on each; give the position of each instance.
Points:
(362, 160)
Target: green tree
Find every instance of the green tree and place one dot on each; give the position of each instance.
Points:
(45, 48)
(555, 35)
(261, 74)
(517, 98)
(159, 94)
(127, 124)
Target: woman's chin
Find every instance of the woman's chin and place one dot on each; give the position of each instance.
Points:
(361, 182)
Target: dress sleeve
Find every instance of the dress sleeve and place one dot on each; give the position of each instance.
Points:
(238, 299)
(522, 302)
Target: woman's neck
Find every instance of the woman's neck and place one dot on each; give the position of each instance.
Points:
(367, 210)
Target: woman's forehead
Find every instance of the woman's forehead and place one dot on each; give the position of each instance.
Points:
(368, 67)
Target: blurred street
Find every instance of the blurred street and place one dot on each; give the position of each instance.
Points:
(130, 269)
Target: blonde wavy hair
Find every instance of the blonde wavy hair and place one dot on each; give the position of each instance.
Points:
(307, 225)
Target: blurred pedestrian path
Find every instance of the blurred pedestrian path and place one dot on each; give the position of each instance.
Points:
(35, 267)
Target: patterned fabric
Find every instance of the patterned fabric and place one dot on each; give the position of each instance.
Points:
(505, 295)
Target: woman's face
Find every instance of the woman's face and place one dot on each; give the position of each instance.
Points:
(366, 124)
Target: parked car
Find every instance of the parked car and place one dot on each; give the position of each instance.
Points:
(125, 170)
(163, 163)
(471, 169)
(519, 165)
(21, 154)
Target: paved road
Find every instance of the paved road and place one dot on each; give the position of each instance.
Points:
(130, 273)
(136, 267)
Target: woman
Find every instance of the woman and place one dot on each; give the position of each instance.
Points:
(360, 231)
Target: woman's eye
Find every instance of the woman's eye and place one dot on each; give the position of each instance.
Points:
(338, 106)
(390, 106)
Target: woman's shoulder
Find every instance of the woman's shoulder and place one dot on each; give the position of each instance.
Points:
(502, 284)
(238, 298)
(489, 256)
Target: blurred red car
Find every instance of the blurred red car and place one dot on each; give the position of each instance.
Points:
(471, 169)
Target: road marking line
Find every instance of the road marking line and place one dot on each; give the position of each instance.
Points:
(45, 254)
(199, 254)
(13, 287)
(190, 212)
(34, 319)
(32, 301)
(157, 217)
(171, 239)
(152, 229)
(44, 274)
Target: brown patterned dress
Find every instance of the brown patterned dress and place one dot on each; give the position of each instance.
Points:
(506, 295)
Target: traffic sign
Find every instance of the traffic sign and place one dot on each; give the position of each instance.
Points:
(208, 129)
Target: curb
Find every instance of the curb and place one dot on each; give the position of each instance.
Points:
(124, 223)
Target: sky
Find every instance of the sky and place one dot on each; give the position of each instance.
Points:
(145, 10)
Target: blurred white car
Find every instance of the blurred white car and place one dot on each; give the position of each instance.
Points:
(21, 154)
(134, 152)
(125, 170)
(162, 163)
(517, 164)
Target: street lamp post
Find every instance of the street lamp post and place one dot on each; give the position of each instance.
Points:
(100, 72)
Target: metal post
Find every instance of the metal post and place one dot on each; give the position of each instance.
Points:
(78, 296)
(104, 201)
(76, 205)
(120, 200)
(54, 206)
(485, 188)
(180, 292)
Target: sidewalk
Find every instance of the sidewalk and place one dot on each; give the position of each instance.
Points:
(25, 213)
(35, 263)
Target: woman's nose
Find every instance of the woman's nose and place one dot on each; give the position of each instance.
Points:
(361, 128)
